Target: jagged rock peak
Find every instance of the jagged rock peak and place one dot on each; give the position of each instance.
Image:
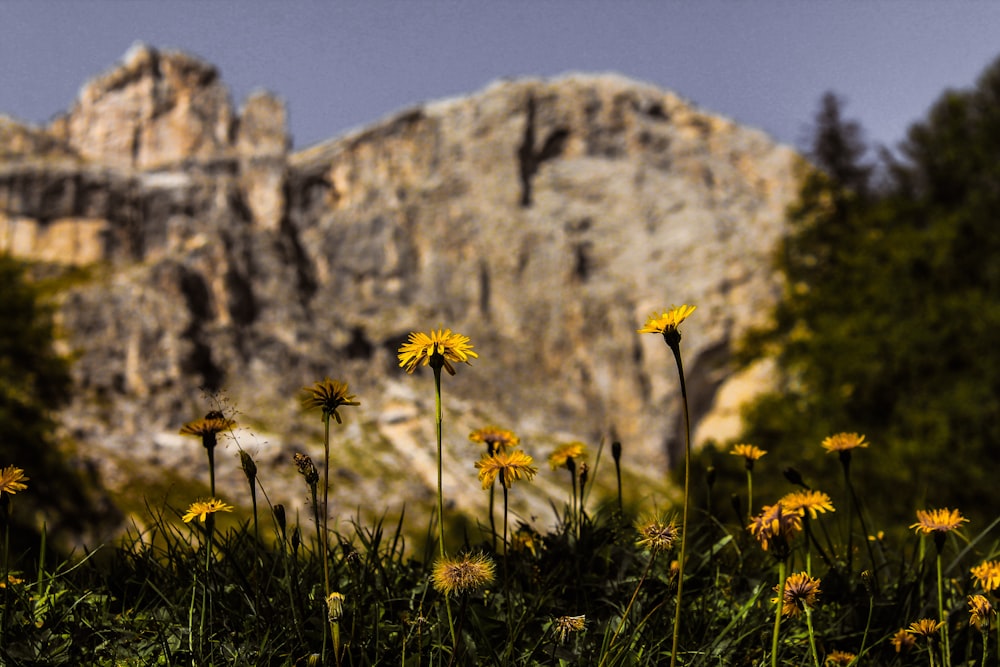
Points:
(155, 109)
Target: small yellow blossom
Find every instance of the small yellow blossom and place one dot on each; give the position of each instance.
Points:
(801, 591)
(774, 527)
(839, 658)
(328, 395)
(510, 466)
(208, 426)
(334, 606)
(495, 439)
(12, 480)
(563, 453)
(813, 502)
(202, 508)
(844, 442)
(903, 640)
(12, 580)
(987, 575)
(750, 453)
(925, 627)
(657, 534)
(439, 347)
(462, 575)
(668, 321)
(938, 521)
(981, 611)
(564, 625)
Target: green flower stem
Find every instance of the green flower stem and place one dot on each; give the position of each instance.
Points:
(326, 504)
(493, 521)
(436, 363)
(211, 465)
(628, 608)
(777, 614)
(945, 647)
(676, 349)
(812, 635)
(749, 492)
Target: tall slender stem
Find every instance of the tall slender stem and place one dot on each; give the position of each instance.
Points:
(777, 614)
(437, 424)
(676, 349)
(326, 504)
(946, 649)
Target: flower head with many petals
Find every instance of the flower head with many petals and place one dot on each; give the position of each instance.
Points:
(903, 640)
(980, 612)
(208, 427)
(495, 439)
(813, 502)
(328, 395)
(800, 592)
(12, 480)
(509, 466)
(563, 453)
(462, 575)
(844, 442)
(438, 349)
(201, 509)
(930, 522)
(774, 527)
(666, 323)
(750, 453)
(842, 658)
(987, 575)
(925, 627)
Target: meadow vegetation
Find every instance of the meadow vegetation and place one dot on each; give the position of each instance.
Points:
(851, 532)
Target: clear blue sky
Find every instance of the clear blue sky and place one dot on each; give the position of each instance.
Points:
(340, 65)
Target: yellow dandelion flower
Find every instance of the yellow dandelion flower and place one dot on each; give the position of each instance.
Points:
(202, 508)
(980, 611)
(510, 466)
(525, 540)
(656, 534)
(801, 591)
(839, 658)
(439, 348)
(903, 640)
(208, 426)
(328, 395)
(462, 575)
(335, 606)
(564, 625)
(774, 527)
(563, 453)
(668, 321)
(12, 581)
(750, 453)
(987, 575)
(12, 480)
(844, 442)
(938, 521)
(813, 502)
(495, 439)
(925, 627)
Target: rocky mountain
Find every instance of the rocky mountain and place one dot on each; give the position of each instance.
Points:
(545, 219)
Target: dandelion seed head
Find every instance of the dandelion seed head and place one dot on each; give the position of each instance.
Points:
(463, 574)
(657, 534)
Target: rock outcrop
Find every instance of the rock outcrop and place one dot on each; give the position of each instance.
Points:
(544, 219)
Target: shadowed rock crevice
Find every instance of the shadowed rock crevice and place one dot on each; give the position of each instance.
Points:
(531, 158)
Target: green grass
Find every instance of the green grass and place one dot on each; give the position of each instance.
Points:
(154, 599)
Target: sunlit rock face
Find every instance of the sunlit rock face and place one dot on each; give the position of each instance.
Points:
(545, 219)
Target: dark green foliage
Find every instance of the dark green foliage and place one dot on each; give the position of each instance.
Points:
(889, 321)
(34, 383)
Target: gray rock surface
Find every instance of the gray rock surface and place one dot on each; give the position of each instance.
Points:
(545, 219)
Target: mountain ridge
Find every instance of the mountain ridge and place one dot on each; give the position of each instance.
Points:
(544, 218)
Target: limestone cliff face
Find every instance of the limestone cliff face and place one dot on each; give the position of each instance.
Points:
(544, 219)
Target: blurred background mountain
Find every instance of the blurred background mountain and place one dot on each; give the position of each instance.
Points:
(194, 263)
